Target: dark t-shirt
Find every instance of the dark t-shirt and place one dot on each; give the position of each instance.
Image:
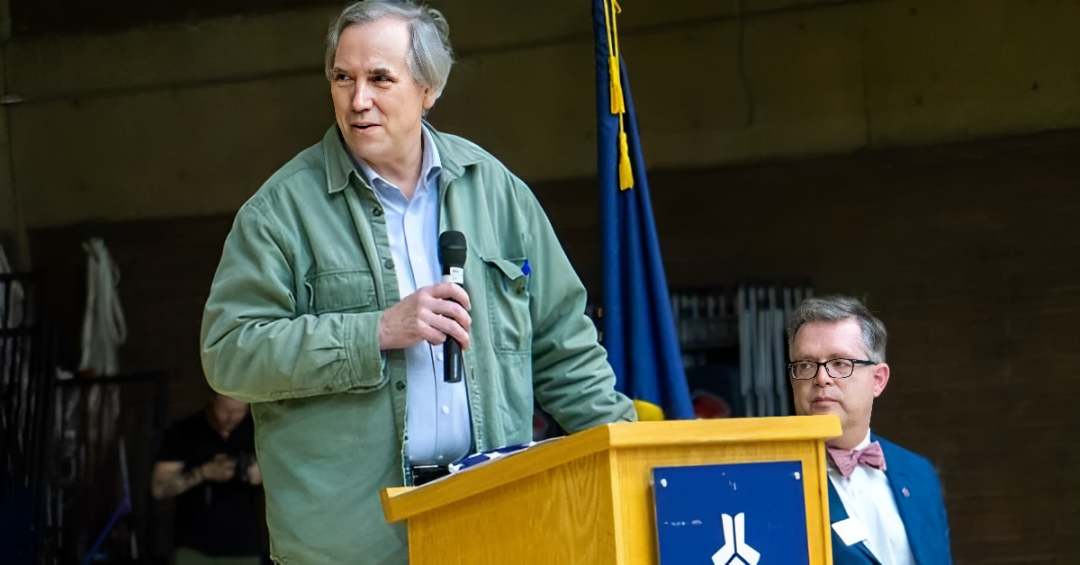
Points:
(214, 518)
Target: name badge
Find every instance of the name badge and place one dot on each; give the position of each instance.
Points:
(851, 531)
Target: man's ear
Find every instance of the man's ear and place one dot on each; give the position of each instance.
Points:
(881, 378)
(430, 96)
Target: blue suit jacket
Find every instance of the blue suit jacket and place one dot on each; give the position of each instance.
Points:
(917, 492)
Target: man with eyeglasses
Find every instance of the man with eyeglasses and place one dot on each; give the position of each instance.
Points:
(885, 502)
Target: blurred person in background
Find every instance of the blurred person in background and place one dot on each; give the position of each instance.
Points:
(207, 462)
(885, 502)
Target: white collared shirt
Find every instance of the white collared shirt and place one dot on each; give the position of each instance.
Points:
(437, 416)
(867, 497)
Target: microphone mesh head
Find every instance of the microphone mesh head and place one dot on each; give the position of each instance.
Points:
(452, 249)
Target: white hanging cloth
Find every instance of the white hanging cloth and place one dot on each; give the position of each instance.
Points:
(11, 300)
(780, 381)
(14, 370)
(747, 335)
(763, 316)
(783, 379)
(763, 377)
(104, 329)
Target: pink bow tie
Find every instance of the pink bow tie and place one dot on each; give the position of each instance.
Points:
(847, 459)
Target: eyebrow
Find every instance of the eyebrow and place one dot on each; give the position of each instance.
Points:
(377, 71)
(833, 355)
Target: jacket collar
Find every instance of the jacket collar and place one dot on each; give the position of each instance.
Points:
(898, 480)
(340, 168)
(901, 485)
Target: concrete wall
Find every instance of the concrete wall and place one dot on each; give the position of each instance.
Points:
(156, 122)
(789, 78)
(188, 119)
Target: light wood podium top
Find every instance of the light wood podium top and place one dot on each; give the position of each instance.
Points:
(405, 502)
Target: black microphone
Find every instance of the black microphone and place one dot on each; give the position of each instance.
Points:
(452, 252)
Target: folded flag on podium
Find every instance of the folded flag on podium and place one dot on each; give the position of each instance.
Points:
(470, 461)
(639, 331)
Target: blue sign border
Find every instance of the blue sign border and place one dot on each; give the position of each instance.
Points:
(691, 503)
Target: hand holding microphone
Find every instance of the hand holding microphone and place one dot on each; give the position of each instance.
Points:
(432, 313)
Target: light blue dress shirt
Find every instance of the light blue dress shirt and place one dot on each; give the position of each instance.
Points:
(437, 424)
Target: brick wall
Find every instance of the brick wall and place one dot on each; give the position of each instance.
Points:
(969, 253)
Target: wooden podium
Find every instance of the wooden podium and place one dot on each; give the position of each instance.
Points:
(587, 498)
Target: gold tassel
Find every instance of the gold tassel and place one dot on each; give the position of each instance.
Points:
(626, 174)
(617, 104)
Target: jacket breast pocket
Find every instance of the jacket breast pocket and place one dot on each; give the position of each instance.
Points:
(342, 292)
(508, 306)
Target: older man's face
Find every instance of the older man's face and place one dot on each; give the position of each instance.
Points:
(850, 398)
(377, 103)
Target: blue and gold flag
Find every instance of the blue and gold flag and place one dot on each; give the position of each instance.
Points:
(639, 331)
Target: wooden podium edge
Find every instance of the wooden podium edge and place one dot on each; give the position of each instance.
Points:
(823, 497)
(401, 503)
(734, 430)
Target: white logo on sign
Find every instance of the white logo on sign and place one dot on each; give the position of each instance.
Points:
(735, 550)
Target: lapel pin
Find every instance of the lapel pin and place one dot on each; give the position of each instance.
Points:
(906, 492)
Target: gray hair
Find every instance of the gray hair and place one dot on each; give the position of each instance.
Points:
(838, 308)
(430, 55)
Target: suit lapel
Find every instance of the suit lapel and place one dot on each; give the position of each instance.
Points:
(903, 491)
(838, 513)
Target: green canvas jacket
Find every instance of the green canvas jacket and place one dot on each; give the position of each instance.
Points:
(291, 326)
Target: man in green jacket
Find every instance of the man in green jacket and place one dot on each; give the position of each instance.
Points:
(328, 316)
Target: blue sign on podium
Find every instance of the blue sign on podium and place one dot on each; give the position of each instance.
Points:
(737, 514)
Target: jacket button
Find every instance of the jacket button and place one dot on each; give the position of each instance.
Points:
(376, 212)
(400, 385)
(389, 264)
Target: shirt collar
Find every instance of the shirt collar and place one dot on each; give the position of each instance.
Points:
(430, 165)
(454, 154)
(864, 443)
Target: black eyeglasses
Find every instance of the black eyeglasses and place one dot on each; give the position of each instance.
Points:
(839, 368)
